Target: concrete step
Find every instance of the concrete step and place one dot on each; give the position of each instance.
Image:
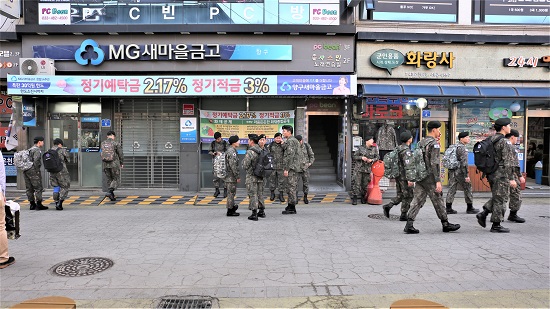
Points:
(322, 163)
(323, 177)
(322, 156)
(322, 170)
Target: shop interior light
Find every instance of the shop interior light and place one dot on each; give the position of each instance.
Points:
(421, 103)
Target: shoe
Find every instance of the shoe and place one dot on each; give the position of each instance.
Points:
(354, 200)
(39, 206)
(224, 192)
(409, 228)
(515, 218)
(386, 209)
(217, 192)
(289, 210)
(450, 210)
(232, 212)
(261, 213)
(449, 227)
(499, 229)
(33, 205)
(59, 205)
(482, 218)
(254, 215)
(403, 216)
(281, 197)
(305, 199)
(111, 195)
(363, 199)
(272, 196)
(7, 263)
(471, 210)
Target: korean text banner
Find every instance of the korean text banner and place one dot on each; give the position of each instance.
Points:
(230, 123)
(198, 85)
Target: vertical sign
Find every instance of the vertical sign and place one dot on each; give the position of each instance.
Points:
(188, 130)
(188, 110)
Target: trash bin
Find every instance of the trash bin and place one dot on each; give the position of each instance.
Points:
(538, 173)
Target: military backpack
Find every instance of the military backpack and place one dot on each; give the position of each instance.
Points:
(22, 160)
(265, 164)
(108, 151)
(220, 168)
(485, 155)
(52, 161)
(450, 159)
(391, 164)
(415, 166)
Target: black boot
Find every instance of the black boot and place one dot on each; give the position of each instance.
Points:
(482, 218)
(497, 228)
(281, 197)
(272, 196)
(232, 212)
(33, 205)
(409, 228)
(513, 216)
(39, 206)
(354, 200)
(387, 208)
(363, 199)
(450, 209)
(289, 210)
(403, 216)
(471, 210)
(224, 192)
(305, 198)
(254, 215)
(59, 205)
(449, 227)
(217, 192)
(112, 195)
(261, 213)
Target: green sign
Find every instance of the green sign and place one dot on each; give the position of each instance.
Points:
(388, 59)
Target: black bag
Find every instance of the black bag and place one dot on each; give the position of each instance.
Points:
(265, 164)
(10, 220)
(52, 161)
(485, 155)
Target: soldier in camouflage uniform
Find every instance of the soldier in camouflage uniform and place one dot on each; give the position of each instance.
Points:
(112, 168)
(217, 148)
(254, 184)
(431, 185)
(33, 176)
(291, 168)
(460, 176)
(61, 181)
(277, 179)
(364, 157)
(261, 197)
(501, 180)
(307, 159)
(404, 188)
(232, 177)
(515, 193)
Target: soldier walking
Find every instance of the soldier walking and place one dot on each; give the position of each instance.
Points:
(515, 193)
(431, 185)
(364, 158)
(60, 181)
(112, 158)
(218, 148)
(307, 159)
(277, 179)
(254, 184)
(404, 187)
(232, 177)
(33, 176)
(291, 168)
(460, 176)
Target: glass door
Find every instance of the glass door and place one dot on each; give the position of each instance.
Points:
(65, 127)
(91, 169)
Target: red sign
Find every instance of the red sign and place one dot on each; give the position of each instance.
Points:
(188, 110)
(3, 134)
(5, 104)
(383, 111)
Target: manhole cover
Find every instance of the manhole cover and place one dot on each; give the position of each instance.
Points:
(545, 217)
(185, 302)
(382, 217)
(82, 267)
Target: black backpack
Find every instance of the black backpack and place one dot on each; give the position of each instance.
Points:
(265, 164)
(52, 161)
(485, 155)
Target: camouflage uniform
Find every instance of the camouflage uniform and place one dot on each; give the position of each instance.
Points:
(254, 184)
(307, 159)
(232, 165)
(459, 175)
(217, 147)
(61, 179)
(404, 192)
(291, 163)
(33, 176)
(112, 169)
(277, 179)
(515, 193)
(363, 169)
(426, 187)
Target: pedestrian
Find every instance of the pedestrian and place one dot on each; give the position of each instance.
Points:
(430, 185)
(404, 188)
(261, 197)
(277, 179)
(308, 157)
(254, 184)
(33, 176)
(291, 166)
(233, 176)
(5, 258)
(113, 162)
(459, 176)
(364, 157)
(515, 193)
(502, 180)
(60, 181)
(217, 148)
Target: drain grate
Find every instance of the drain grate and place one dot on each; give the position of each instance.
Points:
(382, 217)
(81, 267)
(185, 302)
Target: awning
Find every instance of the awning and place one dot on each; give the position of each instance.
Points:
(455, 91)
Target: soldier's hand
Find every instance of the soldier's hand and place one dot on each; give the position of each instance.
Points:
(410, 183)
(467, 179)
(438, 187)
(122, 166)
(513, 183)
(522, 179)
(285, 173)
(238, 180)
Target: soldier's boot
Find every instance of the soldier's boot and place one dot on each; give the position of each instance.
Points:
(305, 199)
(281, 197)
(232, 212)
(33, 205)
(59, 205)
(272, 196)
(254, 215)
(513, 216)
(403, 216)
(449, 227)
(261, 213)
(39, 206)
(386, 208)
(111, 195)
(482, 217)
(224, 192)
(289, 210)
(470, 209)
(497, 228)
(363, 199)
(409, 228)
(450, 209)
(217, 192)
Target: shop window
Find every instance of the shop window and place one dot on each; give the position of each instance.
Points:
(445, 11)
(514, 12)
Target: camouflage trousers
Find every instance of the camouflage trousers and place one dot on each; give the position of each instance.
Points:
(304, 176)
(113, 177)
(231, 191)
(63, 181)
(362, 180)
(515, 200)
(255, 190)
(404, 194)
(292, 187)
(500, 193)
(277, 181)
(456, 178)
(218, 181)
(423, 189)
(33, 185)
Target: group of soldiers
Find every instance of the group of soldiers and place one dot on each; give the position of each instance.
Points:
(292, 159)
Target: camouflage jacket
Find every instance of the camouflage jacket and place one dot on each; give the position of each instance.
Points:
(36, 157)
(291, 158)
(119, 156)
(386, 138)
(64, 157)
(249, 164)
(232, 165)
(517, 170)
(504, 157)
(217, 147)
(278, 151)
(404, 153)
(462, 157)
(308, 157)
(431, 150)
(370, 153)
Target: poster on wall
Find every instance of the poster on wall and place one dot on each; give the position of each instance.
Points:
(242, 123)
(29, 113)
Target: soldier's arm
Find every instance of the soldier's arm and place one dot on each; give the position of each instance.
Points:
(310, 154)
(433, 153)
(119, 153)
(232, 158)
(287, 156)
(462, 156)
(247, 161)
(376, 154)
(507, 157)
(358, 155)
(212, 150)
(37, 158)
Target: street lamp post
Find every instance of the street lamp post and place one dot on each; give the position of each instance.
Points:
(421, 103)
